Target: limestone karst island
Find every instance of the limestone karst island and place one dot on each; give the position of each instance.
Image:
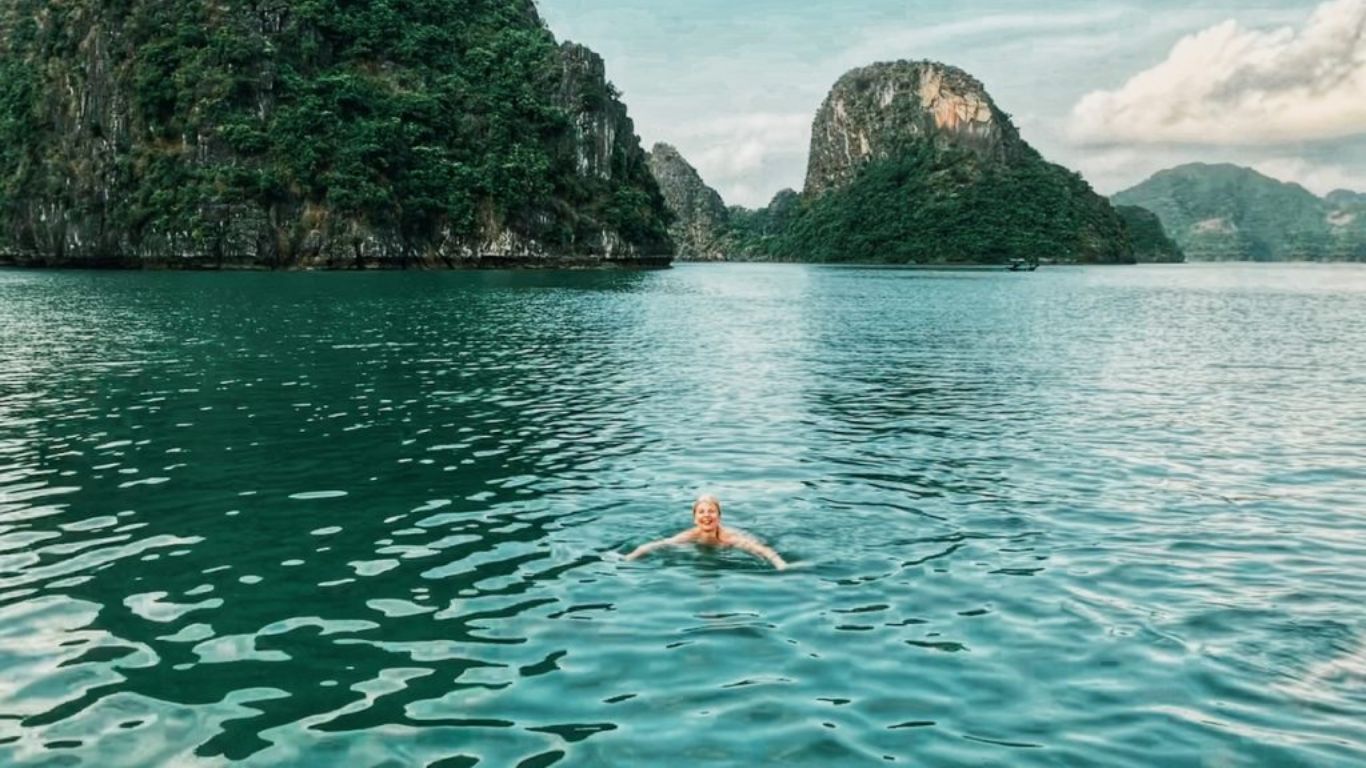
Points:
(320, 134)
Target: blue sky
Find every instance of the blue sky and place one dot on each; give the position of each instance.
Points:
(1115, 90)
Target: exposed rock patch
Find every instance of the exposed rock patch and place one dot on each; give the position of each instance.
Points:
(701, 226)
(873, 112)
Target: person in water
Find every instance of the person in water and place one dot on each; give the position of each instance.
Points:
(708, 531)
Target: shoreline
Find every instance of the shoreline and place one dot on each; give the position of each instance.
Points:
(582, 265)
(416, 265)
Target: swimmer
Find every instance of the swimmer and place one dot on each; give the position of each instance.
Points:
(708, 531)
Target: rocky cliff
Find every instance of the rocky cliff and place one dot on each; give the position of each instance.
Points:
(911, 161)
(1226, 212)
(262, 133)
(701, 227)
(874, 113)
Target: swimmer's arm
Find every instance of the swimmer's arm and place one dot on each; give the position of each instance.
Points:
(759, 550)
(645, 549)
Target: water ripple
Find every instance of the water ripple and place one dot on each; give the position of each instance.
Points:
(1081, 517)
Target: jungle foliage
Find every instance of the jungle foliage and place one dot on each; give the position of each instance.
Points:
(930, 205)
(416, 115)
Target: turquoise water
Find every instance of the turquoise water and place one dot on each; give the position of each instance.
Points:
(1084, 516)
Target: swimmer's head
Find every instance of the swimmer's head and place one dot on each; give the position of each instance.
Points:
(706, 512)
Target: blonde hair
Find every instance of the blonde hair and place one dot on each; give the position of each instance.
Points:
(707, 498)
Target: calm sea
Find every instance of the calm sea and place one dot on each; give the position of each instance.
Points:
(1084, 516)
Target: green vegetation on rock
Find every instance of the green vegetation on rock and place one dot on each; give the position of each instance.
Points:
(756, 235)
(927, 206)
(1150, 241)
(317, 132)
(911, 162)
(1230, 213)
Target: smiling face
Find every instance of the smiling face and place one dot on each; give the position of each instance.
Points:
(706, 515)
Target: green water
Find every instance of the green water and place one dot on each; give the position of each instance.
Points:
(1111, 517)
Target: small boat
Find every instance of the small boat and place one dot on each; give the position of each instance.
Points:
(1020, 265)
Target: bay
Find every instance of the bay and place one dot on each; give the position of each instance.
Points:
(1083, 516)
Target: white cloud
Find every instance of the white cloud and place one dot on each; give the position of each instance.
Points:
(742, 193)
(732, 152)
(1237, 86)
(984, 31)
(1317, 178)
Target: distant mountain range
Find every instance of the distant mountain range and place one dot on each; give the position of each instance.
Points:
(1230, 213)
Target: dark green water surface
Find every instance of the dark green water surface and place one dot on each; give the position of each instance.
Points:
(1109, 517)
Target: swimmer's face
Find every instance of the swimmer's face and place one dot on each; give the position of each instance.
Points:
(706, 515)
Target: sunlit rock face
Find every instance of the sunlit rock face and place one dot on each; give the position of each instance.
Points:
(701, 222)
(872, 112)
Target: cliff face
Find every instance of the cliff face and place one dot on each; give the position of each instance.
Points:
(701, 221)
(1230, 213)
(178, 133)
(873, 113)
(913, 162)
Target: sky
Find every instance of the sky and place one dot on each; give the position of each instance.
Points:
(1113, 89)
